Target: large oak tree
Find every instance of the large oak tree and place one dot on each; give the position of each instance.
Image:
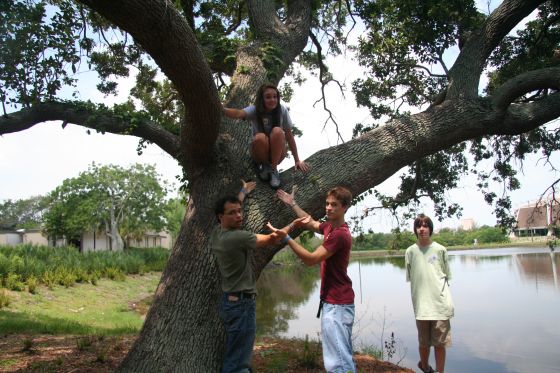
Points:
(223, 50)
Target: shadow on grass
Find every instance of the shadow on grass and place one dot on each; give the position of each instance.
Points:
(15, 322)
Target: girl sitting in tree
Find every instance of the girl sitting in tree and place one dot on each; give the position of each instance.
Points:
(271, 127)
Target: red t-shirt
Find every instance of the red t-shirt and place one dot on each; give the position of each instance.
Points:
(336, 286)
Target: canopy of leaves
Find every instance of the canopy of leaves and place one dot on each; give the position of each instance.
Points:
(133, 197)
(407, 53)
(22, 213)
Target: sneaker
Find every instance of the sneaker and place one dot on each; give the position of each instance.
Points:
(274, 179)
(264, 172)
(429, 370)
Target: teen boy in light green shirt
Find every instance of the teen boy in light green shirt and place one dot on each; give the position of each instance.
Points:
(427, 270)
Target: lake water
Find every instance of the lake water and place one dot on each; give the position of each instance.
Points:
(507, 309)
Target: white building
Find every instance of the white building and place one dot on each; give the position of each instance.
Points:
(90, 241)
(537, 218)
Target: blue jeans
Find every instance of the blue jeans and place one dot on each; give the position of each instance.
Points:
(336, 335)
(241, 325)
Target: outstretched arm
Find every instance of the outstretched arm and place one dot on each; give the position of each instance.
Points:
(234, 113)
(273, 238)
(289, 200)
(300, 165)
(308, 258)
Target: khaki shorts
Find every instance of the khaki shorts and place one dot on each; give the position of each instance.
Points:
(435, 333)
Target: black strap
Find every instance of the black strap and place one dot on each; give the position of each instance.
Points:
(320, 308)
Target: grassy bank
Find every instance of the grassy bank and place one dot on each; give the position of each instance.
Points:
(109, 308)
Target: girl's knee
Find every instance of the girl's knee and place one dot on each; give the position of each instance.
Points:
(260, 138)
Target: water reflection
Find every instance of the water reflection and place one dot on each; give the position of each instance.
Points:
(538, 268)
(281, 290)
(506, 301)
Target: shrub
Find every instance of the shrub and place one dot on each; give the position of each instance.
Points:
(308, 358)
(32, 283)
(82, 275)
(49, 279)
(115, 274)
(94, 277)
(4, 298)
(65, 277)
(27, 345)
(84, 343)
(13, 282)
(4, 265)
(45, 263)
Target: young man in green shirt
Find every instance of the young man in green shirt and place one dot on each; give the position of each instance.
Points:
(232, 248)
(427, 270)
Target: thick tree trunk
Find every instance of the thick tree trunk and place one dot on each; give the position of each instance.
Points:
(183, 332)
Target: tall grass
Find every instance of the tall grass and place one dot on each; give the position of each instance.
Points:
(27, 265)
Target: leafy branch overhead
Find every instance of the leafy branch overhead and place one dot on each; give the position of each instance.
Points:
(409, 66)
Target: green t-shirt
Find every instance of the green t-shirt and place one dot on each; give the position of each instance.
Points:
(231, 249)
(427, 270)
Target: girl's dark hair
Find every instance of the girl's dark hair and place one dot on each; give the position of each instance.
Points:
(423, 221)
(259, 105)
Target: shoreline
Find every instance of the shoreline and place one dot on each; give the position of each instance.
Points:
(361, 254)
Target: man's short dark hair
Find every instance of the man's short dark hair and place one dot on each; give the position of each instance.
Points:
(221, 203)
(423, 221)
(342, 194)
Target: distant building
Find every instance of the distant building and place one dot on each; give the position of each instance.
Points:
(90, 241)
(23, 236)
(537, 218)
(467, 224)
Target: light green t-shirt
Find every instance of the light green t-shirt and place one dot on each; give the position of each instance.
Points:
(231, 249)
(427, 270)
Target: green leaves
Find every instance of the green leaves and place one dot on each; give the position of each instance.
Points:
(403, 50)
(132, 198)
(39, 50)
(22, 213)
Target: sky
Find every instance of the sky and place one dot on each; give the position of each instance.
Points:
(36, 161)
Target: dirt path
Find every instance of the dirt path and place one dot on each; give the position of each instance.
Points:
(47, 353)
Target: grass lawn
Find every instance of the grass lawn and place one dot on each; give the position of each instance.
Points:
(108, 308)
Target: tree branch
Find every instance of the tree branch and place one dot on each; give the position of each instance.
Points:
(375, 156)
(165, 34)
(465, 73)
(89, 118)
(526, 83)
(322, 73)
(521, 118)
(291, 36)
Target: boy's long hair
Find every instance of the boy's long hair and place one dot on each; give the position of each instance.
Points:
(423, 221)
(259, 105)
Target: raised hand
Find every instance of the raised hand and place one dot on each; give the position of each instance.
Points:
(248, 186)
(285, 197)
